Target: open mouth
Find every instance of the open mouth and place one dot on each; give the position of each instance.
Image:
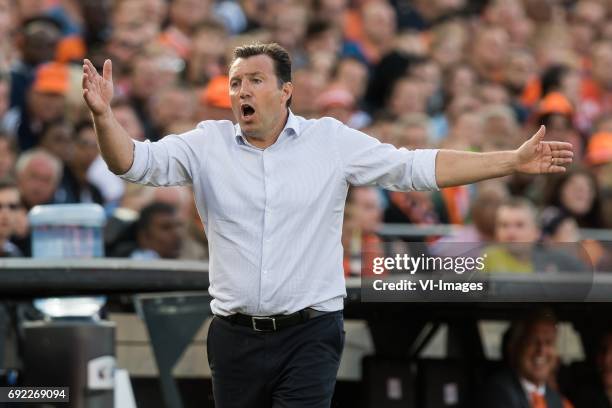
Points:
(247, 110)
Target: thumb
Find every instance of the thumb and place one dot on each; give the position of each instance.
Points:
(537, 138)
(539, 135)
(107, 70)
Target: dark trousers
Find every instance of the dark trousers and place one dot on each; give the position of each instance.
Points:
(295, 367)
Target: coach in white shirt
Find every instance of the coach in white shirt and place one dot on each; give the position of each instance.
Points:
(271, 191)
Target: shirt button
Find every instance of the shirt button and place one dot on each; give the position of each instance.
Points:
(265, 271)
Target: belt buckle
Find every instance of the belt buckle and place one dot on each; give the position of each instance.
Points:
(255, 319)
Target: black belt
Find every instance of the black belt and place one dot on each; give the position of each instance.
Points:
(273, 323)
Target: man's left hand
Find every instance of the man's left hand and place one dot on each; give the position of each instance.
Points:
(538, 157)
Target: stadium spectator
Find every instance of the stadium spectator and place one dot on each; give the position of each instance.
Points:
(577, 193)
(153, 69)
(9, 204)
(599, 155)
(37, 40)
(120, 228)
(184, 18)
(8, 156)
(374, 30)
(75, 187)
(158, 232)
(338, 103)
(557, 226)
(517, 234)
(38, 176)
(598, 393)
(170, 105)
(46, 102)
(207, 58)
(360, 231)
(412, 132)
(533, 359)
(56, 137)
(408, 96)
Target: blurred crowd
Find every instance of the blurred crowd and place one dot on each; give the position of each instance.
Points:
(471, 75)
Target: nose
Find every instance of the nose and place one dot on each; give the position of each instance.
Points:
(245, 90)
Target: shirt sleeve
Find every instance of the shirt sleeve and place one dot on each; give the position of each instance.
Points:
(366, 161)
(170, 161)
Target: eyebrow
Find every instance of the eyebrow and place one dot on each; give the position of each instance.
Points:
(247, 74)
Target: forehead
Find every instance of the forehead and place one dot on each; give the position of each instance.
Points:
(10, 192)
(542, 328)
(523, 213)
(258, 63)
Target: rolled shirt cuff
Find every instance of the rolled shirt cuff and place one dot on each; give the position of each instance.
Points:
(139, 163)
(424, 170)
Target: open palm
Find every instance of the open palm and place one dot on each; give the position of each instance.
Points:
(98, 90)
(536, 156)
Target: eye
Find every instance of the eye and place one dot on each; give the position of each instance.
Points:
(233, 84)
(257, 81)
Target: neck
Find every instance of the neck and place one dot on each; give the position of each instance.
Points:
(268, 140)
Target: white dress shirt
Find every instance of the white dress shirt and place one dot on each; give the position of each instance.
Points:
(273, 216)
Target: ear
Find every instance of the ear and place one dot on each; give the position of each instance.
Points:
(287, 91)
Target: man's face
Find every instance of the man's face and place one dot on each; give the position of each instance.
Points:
(602, 59)
(163, 235)
(515, 225)
(538, 354)
(37, 182)
(40, 42)
(258, 102)
(58, 141)
(171, 106)
(353, 75)
(127, 118)
(9, 203)
(46, 106)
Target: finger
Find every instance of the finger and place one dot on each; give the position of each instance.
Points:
(107, 70)
(560, 145)
(92, 70)
(556, 169)
(563, 153)
(562, 160)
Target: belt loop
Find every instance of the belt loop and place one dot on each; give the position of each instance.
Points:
(303, 315)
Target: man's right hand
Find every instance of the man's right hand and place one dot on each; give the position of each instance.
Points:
(98, 90)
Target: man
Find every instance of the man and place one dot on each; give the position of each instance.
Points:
(271, 191)
(38, 176)
(46, 103)
(596, 392)
(158, 232)
(9, 204)
(75, 187)
(517, 232)
(533, 359)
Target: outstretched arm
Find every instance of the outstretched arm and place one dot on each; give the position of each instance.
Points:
(116, 146)
(533, 157)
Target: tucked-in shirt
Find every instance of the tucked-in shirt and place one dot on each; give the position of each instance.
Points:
(273, 216)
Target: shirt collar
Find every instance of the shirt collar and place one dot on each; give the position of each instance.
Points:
(530, 387)
(291, 127)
